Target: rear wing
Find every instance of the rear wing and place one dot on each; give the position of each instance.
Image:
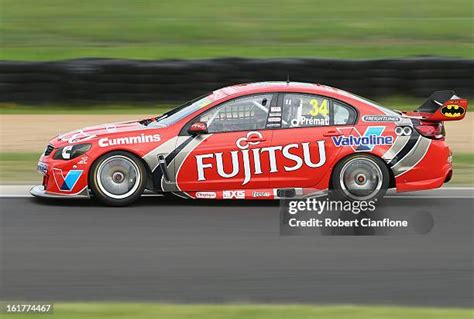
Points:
(441, 106)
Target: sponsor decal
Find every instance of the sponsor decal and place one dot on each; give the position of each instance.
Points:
(452, 110)
(142, 138)
(240, 159)
(77, 136)
(66, 183)
(66, 153)
(206, 195)
(371, 138)
(261, 194)
(273, 125)
(83, 160)
(274, 119)
(403, 130)
(199, 126)
(236, 194)
(42, 168)
(246, 141)
(380, 118)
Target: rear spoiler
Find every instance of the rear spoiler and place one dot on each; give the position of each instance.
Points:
(441, 106)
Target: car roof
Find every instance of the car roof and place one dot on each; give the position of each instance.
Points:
(246, 88)
(302, 87)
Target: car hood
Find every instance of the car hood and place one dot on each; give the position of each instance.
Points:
(94, 132)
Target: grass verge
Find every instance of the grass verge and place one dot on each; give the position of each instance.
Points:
(141, 29)
(168, 311)
(20, 168)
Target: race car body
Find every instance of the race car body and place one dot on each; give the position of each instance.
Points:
(257, 141)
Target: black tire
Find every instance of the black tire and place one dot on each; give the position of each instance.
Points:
(120, 185)
(366, 169)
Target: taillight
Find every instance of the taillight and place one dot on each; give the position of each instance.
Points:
(433, 130)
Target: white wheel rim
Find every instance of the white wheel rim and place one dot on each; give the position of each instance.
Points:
(361, 178)
(118, 177)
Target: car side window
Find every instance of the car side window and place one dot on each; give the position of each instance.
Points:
(304, 110)
(343, 114)
(240, 114)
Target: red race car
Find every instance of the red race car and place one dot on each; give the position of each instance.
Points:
(258, 141)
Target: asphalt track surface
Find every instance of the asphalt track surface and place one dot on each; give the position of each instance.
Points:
(205, 251)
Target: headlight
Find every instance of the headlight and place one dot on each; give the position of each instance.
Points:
(71, 151)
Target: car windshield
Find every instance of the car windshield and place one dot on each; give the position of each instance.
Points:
(180, 112)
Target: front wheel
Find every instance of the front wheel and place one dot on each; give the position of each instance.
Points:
(117, 178)
(360, 177)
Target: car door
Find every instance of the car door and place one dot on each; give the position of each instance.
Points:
(309, 123)
(230, 156)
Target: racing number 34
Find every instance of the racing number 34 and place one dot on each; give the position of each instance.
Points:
(317, 109)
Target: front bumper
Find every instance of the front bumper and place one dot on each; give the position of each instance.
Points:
(62, 178)
(39, 191)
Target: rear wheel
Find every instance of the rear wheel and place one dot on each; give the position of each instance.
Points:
(360, 177)
(118, 178)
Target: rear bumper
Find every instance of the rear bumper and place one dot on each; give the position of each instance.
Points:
(421, 185)
(432, 171)
(38, 191)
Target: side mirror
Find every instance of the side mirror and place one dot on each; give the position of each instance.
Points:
(198, 128)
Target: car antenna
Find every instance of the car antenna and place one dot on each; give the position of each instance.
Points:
(287, 79)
